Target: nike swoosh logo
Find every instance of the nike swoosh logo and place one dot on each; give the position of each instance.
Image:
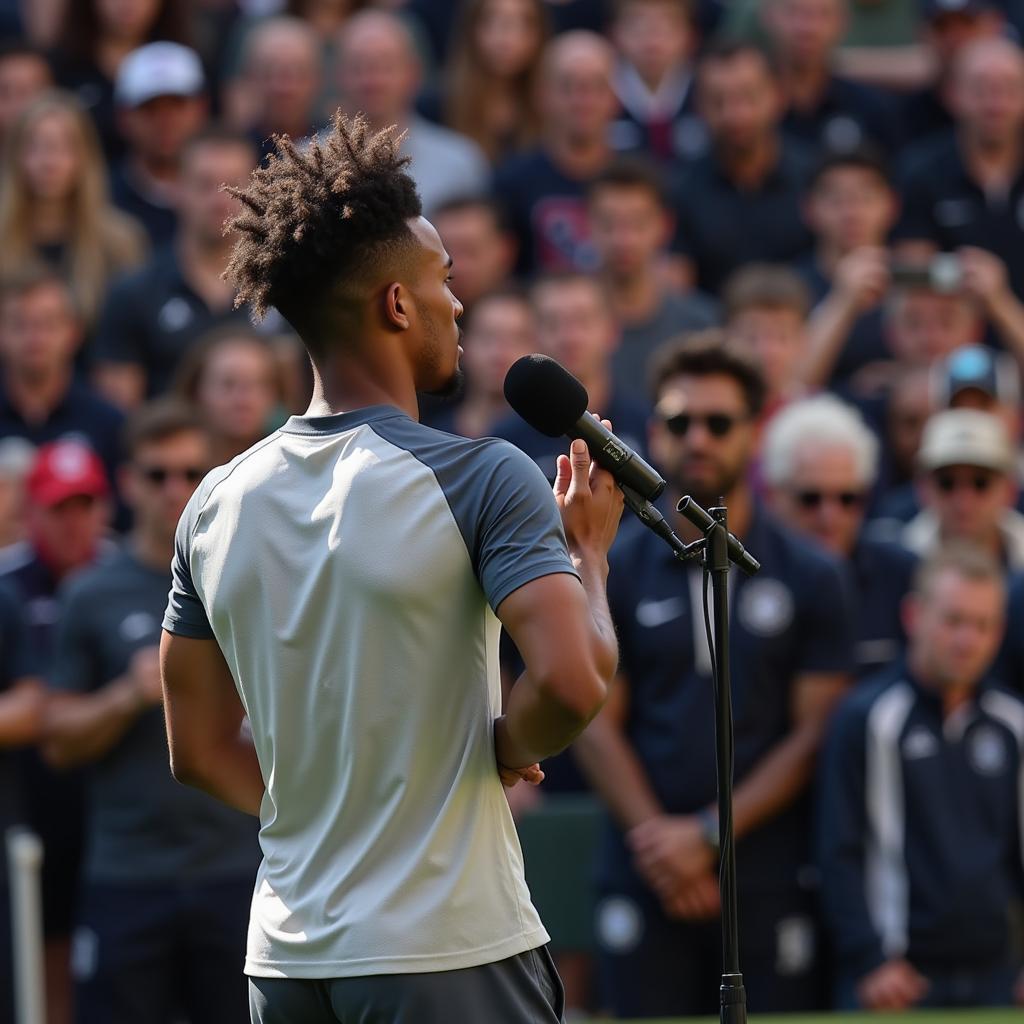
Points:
(657, 613)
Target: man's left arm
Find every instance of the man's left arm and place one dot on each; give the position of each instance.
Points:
(210, 744)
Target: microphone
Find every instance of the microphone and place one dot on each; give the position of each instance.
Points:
(553, 401)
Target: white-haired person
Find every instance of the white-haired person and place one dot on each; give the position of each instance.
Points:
(819, 461)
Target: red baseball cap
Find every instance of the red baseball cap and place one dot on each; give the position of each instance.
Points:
(66, 469)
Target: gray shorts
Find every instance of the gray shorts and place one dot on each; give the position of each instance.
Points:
(523, 989)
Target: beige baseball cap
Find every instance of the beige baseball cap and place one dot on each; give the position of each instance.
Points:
(965, 437)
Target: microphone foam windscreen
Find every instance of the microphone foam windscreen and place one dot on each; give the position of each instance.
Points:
(545, 394)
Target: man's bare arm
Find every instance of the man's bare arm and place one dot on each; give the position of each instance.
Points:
(209, 747)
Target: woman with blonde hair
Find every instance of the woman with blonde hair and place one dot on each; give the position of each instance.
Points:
(54, 203)
(490, 92)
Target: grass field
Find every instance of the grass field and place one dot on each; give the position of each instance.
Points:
(923, 1017)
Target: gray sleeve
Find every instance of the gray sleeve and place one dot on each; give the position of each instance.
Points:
(185, 614)
(519, 536)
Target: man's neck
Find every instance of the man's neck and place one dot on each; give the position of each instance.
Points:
(202, 264)
(827, 257)
(804, 85)
(579, 158)
(479, 412)
(748, 168)
(635, 298)
(153, 550)
(153, 174)
(599, 389)
(36, 397)
(992, 163)
(953, 696)
(357, 380)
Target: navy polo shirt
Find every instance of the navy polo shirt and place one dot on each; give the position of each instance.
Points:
(943, 204)
(143, 826)
(152, 316)
(15, 664)
(865, 344)
(792, 618)
(720, 227)
(881, 574)
(629, 422)
(81, 414)
(847, 116)
(547, 211)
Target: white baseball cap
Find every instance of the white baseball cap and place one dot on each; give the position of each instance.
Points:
(965, 437)
(158, 69)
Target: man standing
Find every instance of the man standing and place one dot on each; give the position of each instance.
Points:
(920, 845)
(342, 584)
(167, 877)
(650, 755)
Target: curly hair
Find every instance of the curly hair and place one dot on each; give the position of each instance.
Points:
(317, 216)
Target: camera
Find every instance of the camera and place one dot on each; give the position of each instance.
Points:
(942, 273)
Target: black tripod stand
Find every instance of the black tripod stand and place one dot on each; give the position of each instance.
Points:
(717, 548)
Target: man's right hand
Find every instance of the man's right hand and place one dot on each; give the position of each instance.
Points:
(589, 501)
(893, 986)
(862, 277)
(144, 675)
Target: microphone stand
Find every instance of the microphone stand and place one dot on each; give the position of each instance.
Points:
(713, 547)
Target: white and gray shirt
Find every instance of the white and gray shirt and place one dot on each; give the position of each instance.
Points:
(349, 567)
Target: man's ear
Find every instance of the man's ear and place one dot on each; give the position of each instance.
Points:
(910, 612)
(397, 306)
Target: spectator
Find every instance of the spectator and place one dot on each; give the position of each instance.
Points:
(576, 326)
(379, 75)
(67, 512)
(653, 79)
(16, 457)
(920, 803)
(21, 708)
(54, 204)
(25, 73)
(95, 36)
(161, 105)
(168, 875)
(544, 189)
(500, 329)
(492, 75)
(650, 753)
(949, 26)
(850, 207)
(482, 248)
(967, 189)
(972, 377)
(820, 461)
(153, 315)
(822, 109)
(765, 307)
(233, 378)
(967, 482)
(630, 225)
(279, 86)
(741, 202)
(40, 398)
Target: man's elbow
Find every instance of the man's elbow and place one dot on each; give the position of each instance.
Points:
(188, 768)
(580, 692)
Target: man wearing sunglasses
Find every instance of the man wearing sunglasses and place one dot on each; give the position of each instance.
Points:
(820, 460)
(650, 755)
(168, 870)
(967, 484)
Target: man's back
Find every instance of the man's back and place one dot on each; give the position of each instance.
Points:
(347, 565)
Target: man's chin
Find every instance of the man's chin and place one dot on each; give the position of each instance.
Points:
(452, 389)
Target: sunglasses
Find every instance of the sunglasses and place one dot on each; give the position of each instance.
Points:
(159, 475)
(980, 483)
(717, 424)
(815, 499)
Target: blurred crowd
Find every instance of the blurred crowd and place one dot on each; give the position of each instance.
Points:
(781, 243)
